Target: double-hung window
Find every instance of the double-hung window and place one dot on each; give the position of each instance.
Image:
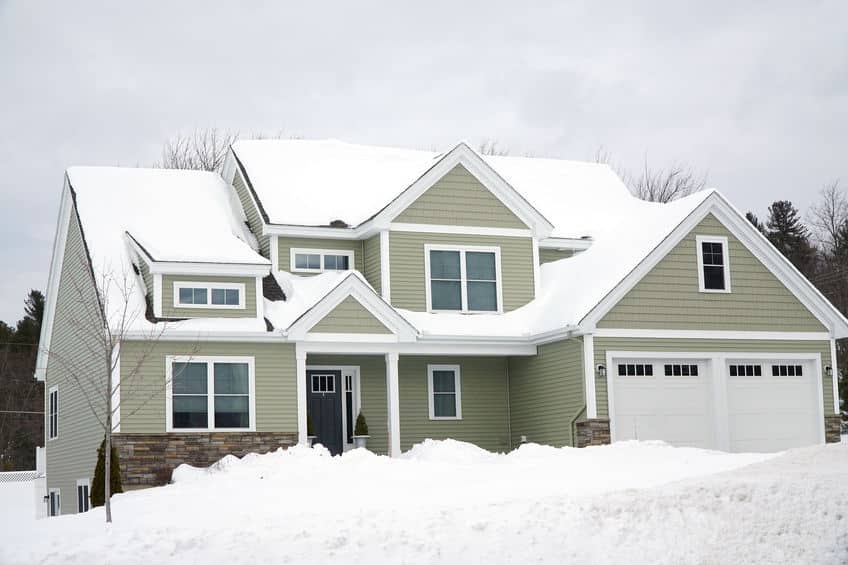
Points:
(83, 488)
(53, 413)
(713, 264)
(320, 260)
(445, 396)
(211, 393)
(209, 295)
(463, 279)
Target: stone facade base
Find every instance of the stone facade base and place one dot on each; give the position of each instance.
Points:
(148, 459)
(832, 429)
(593, 432)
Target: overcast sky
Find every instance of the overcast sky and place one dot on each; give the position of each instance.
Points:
(754, 95)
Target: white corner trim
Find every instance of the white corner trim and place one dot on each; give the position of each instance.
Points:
(300, 374)
(260, 299)
(295, 251)
(457, 391)
(835, 377)
(60, 239)
(210, 360)
(710, 334)
(157, 295)
(462, 249)
(385, 267)
(274, 246)
(209, 287)
(537, 269)
(460, 230)
(116, 389)
(589, 376)
(701, 239)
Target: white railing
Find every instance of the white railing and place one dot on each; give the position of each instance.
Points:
(17, 476)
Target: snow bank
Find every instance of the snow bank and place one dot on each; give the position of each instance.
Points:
(450, 502)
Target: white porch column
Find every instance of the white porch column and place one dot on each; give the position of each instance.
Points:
(301, 396)
(589, 376)
(393, 399)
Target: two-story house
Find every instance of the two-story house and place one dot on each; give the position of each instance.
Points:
(488, 299)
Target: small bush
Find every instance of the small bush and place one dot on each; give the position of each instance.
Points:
(361, 427)
(98, 488)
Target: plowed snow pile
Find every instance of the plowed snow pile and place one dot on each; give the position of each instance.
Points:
(450, 502)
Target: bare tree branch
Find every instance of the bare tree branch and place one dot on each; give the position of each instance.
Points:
(492, 147)
(828, 215)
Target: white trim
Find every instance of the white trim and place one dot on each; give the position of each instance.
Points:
(353, 371)
(209, 287)
(385, 267)
(295, 251)
(460, 230)
(58, 493)
(701, 239)
(221, 269)
(300, 375)
(457, 391)
(835, 376)
(711, 334)
(350, 337)
(50, 427)
(313, 232)
(572, 243)
(157, 295)
(116, 389)
(83, 483)
(274, 246)
(589, 376)
(439, 348)
(260, 300)
(393, 403)
(537, 269)
(60, 239)
(210, 361)
(462, 249)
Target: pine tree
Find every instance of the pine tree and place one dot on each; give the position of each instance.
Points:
(361, 426)
(790, 236)
(755, 221)
(98, 486)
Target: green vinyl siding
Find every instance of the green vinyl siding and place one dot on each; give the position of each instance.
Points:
(169, 311)
(406, 265)
(143, 381)
(546, 393)
(350, 317)
(372, 392)
(147, 276)
(550, 255)
(371, 262)
(459, 199)
(483, 396)
(286, 244)
(75, 368)
(602, 345)
(251, 212)
(668, 296)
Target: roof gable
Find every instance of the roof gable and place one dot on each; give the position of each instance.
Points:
(350, 316)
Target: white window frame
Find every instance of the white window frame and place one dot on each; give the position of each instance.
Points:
(84, 483)
(457, 387)
(294, 251)
(726, 255)
(58, 493)
(52, 430)
(209, 286)
(462, 249)
(210, 391)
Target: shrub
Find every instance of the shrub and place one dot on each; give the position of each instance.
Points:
(361, 427)
(98, 488)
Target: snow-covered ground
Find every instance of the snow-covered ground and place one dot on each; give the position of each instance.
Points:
(449, 502)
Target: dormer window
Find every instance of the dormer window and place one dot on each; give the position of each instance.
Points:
(208, 295)
(463, 279)
(713, 264)
(320, 260)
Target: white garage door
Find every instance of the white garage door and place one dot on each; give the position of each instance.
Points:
(667, 399)
(771, 405)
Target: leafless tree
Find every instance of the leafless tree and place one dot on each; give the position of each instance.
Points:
(205, 149)
(656, 185)
(829, 215)
(492, 147)
(102, 312)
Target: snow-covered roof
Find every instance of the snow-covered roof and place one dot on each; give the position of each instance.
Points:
(185, 216)
(313, 182)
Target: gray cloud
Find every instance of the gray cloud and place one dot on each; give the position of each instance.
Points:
(757, 95)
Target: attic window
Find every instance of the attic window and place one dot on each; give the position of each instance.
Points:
(713, 264)
(209, 295)
(320, 260)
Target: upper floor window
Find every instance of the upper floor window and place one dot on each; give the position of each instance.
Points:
(463, 279)
(713, 264)
(210, 393)
(320, 260)
(53, 413)
(209, 295)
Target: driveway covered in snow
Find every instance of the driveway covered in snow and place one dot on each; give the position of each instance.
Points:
(449, 502)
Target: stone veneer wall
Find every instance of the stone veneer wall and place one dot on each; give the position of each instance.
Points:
(832, 429)
(593, 432)
(148, 459)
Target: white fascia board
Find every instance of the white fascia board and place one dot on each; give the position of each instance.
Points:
(315, 232)
(204, 336)
(710, 334)
(576, 244)
(220, 269)
(54, 279)
(435, 348)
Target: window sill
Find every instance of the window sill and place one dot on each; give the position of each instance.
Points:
(713, 291)
(468, 312)
(448, 418)
(208, 430)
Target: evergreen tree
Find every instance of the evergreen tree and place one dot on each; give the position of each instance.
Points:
(790, 236)
(98, 486)
(755, 221)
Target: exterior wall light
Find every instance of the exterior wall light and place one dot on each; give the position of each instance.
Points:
(602, 371)
(828, 370)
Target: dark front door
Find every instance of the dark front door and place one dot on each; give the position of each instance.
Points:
(324, 407)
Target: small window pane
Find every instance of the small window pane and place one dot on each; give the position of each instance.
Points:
(758, 370)
(668, 370)
(330, 262)
(798, 370)
(307, 261)
(444, 381)
(336, 263)
(714, 278)
(444, 405)
(775, 371)
(232, 412)
(713, 253)
(190, 412)
(189, 378)
(446, 295)
(186, 296)
(685, 370)
(622, 370)
(219, 296)
(231, 378)
(640, 370)
(480, 266)
(649, 370)
(483, 296)
(444, 265)
(733, 370)
(693, 370)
